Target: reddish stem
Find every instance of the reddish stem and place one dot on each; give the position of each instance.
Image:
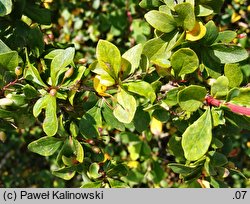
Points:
(234, 108)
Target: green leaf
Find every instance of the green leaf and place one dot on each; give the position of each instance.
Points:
(134, 150)
(37, 14)
(154, 47)
(172, 96)
(133, 55)
(9, 60)
(186, 16)
(78, 150)
(90, 122)
(197, 137)
(161, 114)
(175, 148)
(30, 92)
(36, 41)
(184, 61)
(5, 7)
(109, 57)
(40, 104)
(212, 67)
(214, 4)
(192, 97)
(110, 119)
(242, 98)
(203, 10)
(181, 169)
(147, 91)
(150, 3)
(50, 123)
(228, 53)
(73, 129)
(117, 170)
(220, 87)
(96, 184)
(66, 173)
(59, 62)
(94, 171)
(24, 119)
(32, 74)
(125, 107)
(45, 146)
(141, 119)
(161, 21)
(226, 36)
(217, 159)
(211, 33)
(117, 184)
(234, 74)
(6, 114)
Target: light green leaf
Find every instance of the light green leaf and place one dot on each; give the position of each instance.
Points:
(133, 55)
(40, 104)
(134, 150)
(192, 97)
(220, 87)
(228, 53)
(5, 7)
(197, 137)
(94, 171)
(116, 183)
(186, 16)
(78, 150)
(184, 61)
(59, 62)
(142, 88)
(125, 108)
(96, 184)
(109, 57)
(65, 173)
(226, 36)
(50, 123)
(242, 98)
(234, 74)
(161, 21)
(150, 3)
(45, 146)
(203, 10)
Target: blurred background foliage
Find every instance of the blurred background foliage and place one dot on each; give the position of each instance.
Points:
(83, 23)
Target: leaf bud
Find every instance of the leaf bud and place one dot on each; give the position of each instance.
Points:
(2, 136)
(53, 92)
(69, 72)
(18, 70)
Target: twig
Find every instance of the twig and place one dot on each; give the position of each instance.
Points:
(234, 108)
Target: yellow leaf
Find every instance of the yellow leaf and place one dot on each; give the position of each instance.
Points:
(204, 183)
(197, 33)
(100, 88)
(235, 17)
(156, 126)
(133, 164)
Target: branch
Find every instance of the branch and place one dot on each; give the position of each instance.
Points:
(234, 108)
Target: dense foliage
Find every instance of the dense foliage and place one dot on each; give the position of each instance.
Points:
(113, 100)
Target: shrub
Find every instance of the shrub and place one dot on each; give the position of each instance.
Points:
(178, 102)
